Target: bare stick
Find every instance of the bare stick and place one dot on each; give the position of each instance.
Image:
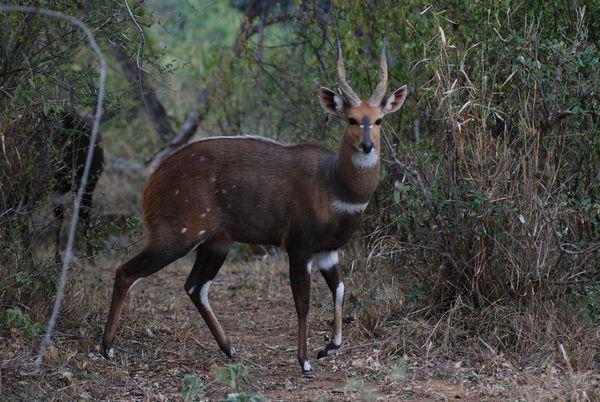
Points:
(60, 293)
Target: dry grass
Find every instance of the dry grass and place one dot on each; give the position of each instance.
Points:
(163, 339)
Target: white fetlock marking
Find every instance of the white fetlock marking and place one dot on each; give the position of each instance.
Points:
(339, 301)
(309, 268)
(339, 295)
(306, 366)
(326, 260)
(111, 353)
(204, 295)
(232, 350)
(337, 339)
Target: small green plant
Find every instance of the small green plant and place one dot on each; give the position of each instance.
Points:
(15, 317)
(193, 387)
(364, 392)
(231, 375)
(398, 371)
(245, 397)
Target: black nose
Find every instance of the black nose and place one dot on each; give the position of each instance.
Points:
(366, 146)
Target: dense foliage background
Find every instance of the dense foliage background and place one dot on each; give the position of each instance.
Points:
(485, 231)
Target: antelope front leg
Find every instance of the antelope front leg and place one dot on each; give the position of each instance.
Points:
(332, 272)
(300, 267)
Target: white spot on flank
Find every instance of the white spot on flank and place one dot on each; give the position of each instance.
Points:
(326, 260)
(348, 207)
(204, 295)
(213, 179)
(306, 366)
(200, 233)
(176, 191)
(111, 353)
(365, 161)
(202, 159)
(192, 289)
(183, 230)
(309, 267)
(207, 209)
(203, 215)
(223, 191)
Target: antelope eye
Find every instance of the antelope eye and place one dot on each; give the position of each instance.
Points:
(378, 122)
(352, 121)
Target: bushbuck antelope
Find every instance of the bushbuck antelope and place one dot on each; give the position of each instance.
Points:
(304, 198)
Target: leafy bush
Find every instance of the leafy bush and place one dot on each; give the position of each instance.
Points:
(494, 211)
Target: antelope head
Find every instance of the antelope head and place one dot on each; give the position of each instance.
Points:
(363, 118)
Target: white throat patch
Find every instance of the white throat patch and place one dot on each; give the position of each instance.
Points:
(348, 207)
(365, 161)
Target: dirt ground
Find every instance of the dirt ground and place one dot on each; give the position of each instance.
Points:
(164, 350)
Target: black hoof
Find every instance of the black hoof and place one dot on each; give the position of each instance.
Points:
(109, 352)
(308, 373)
(230, 351)
(324, 352)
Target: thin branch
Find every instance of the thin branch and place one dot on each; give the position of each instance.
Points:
(187, 129)
(60, 293)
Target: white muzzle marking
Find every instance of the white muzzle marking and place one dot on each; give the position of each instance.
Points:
(348, 207)
(365, 161)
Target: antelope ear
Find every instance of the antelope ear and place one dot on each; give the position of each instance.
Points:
(395, 100)
(331, 101)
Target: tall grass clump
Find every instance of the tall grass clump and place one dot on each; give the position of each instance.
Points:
(492, 211)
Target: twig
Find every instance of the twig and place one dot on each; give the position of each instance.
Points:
(46, 341)
(566, 358)
(186, 131)
(445, 252)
